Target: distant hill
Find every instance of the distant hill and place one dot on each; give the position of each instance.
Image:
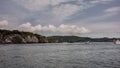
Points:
(17, 37)
(82, 39)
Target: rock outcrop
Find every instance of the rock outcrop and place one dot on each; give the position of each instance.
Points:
(13, 39)
(18, 37)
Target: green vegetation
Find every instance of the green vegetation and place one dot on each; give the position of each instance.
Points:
(81, 39)
(16, 36)
(8, 32)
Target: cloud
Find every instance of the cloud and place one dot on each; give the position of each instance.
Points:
(111, 26)
(57, 10)
(3, 23)
(101, 17)
(64, 11)
(26, 27)
(35, 5)
(113, 10)
(95, 19)
(107, 13)
(32, 5)
(57, 2)
(65, 29)
(72, 29)
(100, 1)
(42, 4)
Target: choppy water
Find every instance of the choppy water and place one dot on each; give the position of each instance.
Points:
(60, 55)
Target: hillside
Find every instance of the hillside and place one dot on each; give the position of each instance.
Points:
(17, 37)
(82, 39)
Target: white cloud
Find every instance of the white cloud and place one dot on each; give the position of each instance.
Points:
(64, 11)
(100, 1)
(110, 12)
(95, 19)
(3, 23)
(66, 29)
(56, 2)
(72, 29)
(113, 10)
(26, 27)
(59, 10)
(35, 5)
(41, 4)
(101, 17)
(107, 14)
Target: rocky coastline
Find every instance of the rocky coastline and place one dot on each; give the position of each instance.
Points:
(15, 36)
(21, 37)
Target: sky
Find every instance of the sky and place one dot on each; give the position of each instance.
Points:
(85, 18)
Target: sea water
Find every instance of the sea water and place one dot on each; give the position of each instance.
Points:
(60, 55)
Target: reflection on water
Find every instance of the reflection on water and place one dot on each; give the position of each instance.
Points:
(60, 55)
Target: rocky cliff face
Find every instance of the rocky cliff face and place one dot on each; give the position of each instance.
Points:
(13, 39)
(7, 36)
(16, 38)
(30, 39)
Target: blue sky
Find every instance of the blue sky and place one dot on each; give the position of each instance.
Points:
(92, 18)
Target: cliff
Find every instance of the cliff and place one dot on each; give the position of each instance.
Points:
(16, 36)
